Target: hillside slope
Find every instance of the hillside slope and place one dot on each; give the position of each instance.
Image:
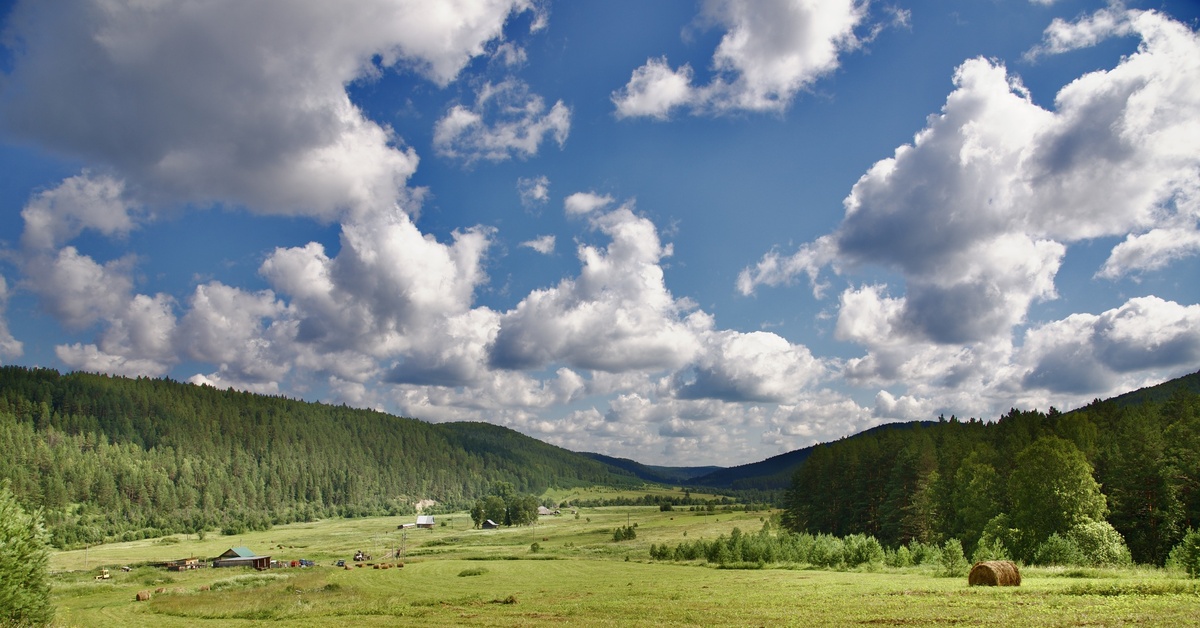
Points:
(111, 456)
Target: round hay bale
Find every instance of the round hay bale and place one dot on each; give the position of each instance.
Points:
(161, 590)
(143, 596)
(995, 573)
(205, 587)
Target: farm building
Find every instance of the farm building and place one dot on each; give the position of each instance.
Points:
(545, 512)
(424, 521)
(183, 564)
(490, 525)
(242, 557)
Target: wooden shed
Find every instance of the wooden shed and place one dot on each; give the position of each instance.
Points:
(242, 557)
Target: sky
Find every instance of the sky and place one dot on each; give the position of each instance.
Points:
(686, 233)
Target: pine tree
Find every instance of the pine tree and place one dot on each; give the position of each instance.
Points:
(24, 588)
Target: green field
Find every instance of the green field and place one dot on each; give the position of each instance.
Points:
(454, 575)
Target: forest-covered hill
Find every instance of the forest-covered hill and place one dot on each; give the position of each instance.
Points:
(1134, 460)
(111, 457)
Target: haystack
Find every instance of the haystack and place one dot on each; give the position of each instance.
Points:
(143, 596)
(993, 573)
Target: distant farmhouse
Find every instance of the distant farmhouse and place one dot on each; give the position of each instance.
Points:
(423, 521)
(545, 512)
(242, 557)
(490, 525)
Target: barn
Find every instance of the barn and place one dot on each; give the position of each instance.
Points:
(424, 521)
(242, 557)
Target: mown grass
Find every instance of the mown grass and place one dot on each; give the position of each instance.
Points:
(579, 575)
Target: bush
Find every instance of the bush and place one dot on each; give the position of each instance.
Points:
(1099, 544)
(925, 553)
(826, 551)
(861, 550)
(954, 562)
(24, 557)
(990, 549)
(902, 557)
(1057, 550)
(1186, 555)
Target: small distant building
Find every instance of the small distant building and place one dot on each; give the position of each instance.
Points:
(545, 512)
(425, 521)
(242, 557)
(184, 564)
(406, 526)
(490, 525)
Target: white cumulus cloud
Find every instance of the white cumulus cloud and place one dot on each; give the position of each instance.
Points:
(769, 52)
(542, 244)
(208, 76)
(505, 121)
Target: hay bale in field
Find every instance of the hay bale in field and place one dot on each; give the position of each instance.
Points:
(995, 573)
(143, 596)
(161, 590)
(205, 587)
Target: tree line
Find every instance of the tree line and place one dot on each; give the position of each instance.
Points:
(1029, 486)
(112, 458)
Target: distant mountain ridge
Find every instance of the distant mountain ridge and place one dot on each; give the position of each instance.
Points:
(656, 474)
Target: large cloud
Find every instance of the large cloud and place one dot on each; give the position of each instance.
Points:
(757, 367)
(976, 216)
(167, 93)
(617, 315)
(1147, 338)
(770, 51)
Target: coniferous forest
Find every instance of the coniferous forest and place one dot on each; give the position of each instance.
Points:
(1020, 486)
(109, 458)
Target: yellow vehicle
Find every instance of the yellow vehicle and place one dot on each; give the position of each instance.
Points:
(103, 575)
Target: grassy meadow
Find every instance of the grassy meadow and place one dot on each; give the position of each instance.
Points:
(455, 575)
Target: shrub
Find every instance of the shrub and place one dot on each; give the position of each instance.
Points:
(1057, 550)
(990, 549)
(1186, 555)
(859, 549)
(954, 562)
(535, 548)
(1099, 544)
(902, 557)
(826, 551)
(624, 533)
(925, 553)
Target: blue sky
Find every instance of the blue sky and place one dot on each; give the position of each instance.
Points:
(684, 233)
